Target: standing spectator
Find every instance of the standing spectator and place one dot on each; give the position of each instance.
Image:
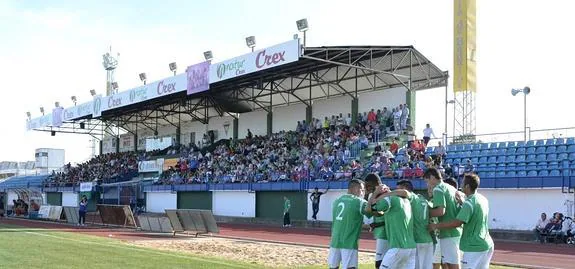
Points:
(287, 206)
(315, 197)
(250, 135)
(540, 227)
(397, 120)
(371, 117)
(427, 133)
(404, 116)
(82, 211)
(469, 167)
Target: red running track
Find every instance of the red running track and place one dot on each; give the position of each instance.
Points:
(529, 255)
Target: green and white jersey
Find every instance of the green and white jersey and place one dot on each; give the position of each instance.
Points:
(379, 232)
(398, 221)
(348, 211)
(287, 206)
(444, 196)
(420, 215)
(474, 213)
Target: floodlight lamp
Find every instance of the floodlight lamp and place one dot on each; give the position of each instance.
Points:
(526, 90)
(74, 99)
(42, 110)
(93, 92)
(173, 67)
(208, 55)
(115, 85)
(28, 114)
(295, 36)
(251, 41)
(143, 76)
(302, 25)
(57, 104)
(451, 102)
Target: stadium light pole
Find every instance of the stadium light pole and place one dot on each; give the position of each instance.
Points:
(42, 110)
(74, 99)
(143, 77)
(251, 42)
(29, 115)
(173, 67)
(525, 92)
(302, 26)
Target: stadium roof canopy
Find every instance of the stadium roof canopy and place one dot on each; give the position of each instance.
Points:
(320, 73)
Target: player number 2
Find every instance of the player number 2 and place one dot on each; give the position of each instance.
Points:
(339, 216)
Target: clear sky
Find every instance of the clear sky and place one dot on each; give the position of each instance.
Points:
(51, 50)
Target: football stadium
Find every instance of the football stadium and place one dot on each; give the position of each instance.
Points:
(293, 156)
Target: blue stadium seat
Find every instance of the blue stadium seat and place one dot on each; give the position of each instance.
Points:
(429, 150)
(486, 146)
(476, 153)
(553, 165)
(510, 151)
(510, 174)
(460, 147)
(520, 167)
(530, 150)
(560, 141)
(492, 152)
(531, 157)
(520, 151)
(573, 165)
(542, 166)
(531, 166)
(561, 148)
(532, 173)
(572, 156)
(484, 152)
(530, 143)
(520, 158)
(552, 157)
(551, 149)
(570, 141)
(483, 160)
(401, 151)
(493, 145)
(571, 148)
(501, 151)
(522, 173)
(492, 159)
(501, 167)
(451, 148)
(491, 174)
(474, 160)
(550, 142)
(539, 150)
(566, 172)
(543, 173)
(502, 145)
(510, 167)
(449, 161)
(500, 174)
(565, 164)
(540, 142)
(520, 144)
(482, 174)
(541, 157)
(511, 144)
(510, 158)
(468, 147)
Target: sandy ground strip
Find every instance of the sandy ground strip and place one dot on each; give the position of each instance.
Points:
(267, 254)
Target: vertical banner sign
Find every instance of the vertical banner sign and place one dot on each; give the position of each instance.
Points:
(464, 46)
(97, 107)
(57, 116)
(198, 77)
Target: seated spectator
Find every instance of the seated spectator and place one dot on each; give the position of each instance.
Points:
(469, 167)
(394, 147)
(439, 153)
(567, 229)
(540, 227)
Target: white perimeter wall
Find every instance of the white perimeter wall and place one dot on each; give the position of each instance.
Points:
(218, 124)
(285, 118)
(157, 202)
(256, 121)
(325, 204)
(234, 203)
(519, 209)
(69, 199)
(389, 98)
(330, 107)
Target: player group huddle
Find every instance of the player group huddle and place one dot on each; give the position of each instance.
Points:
(411, 232)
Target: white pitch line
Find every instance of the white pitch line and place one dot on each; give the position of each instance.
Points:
(141, 250)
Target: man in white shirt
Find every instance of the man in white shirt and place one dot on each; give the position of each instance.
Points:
(540, 227)
(404, 116)
(397, 119)
(427, 133)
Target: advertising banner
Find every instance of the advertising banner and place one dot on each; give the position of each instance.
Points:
(198, 77)
(170, 163)
(277, 55)
(86, 187)
(126, 142)
(464, 47)
(158, 143)
(151, 166)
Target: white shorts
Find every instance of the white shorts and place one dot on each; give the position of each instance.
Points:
(424, 256)
(437, 253)
(477, 260)
(399, 258)
(346, 257)
(381, 247)
(450, 250)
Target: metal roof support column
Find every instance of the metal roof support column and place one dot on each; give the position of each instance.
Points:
(354, 103)
(270, 116)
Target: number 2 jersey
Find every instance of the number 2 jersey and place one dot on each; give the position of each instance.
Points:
(347, 211)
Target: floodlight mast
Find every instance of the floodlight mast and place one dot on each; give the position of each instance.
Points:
(110, 63)
(302, 26)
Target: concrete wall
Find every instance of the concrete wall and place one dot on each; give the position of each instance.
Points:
(234, 203)
(157, 202)
(519, 209)
(325, 204)
(256, 121)
(329, 107)
(389, 98)
(285, 118)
